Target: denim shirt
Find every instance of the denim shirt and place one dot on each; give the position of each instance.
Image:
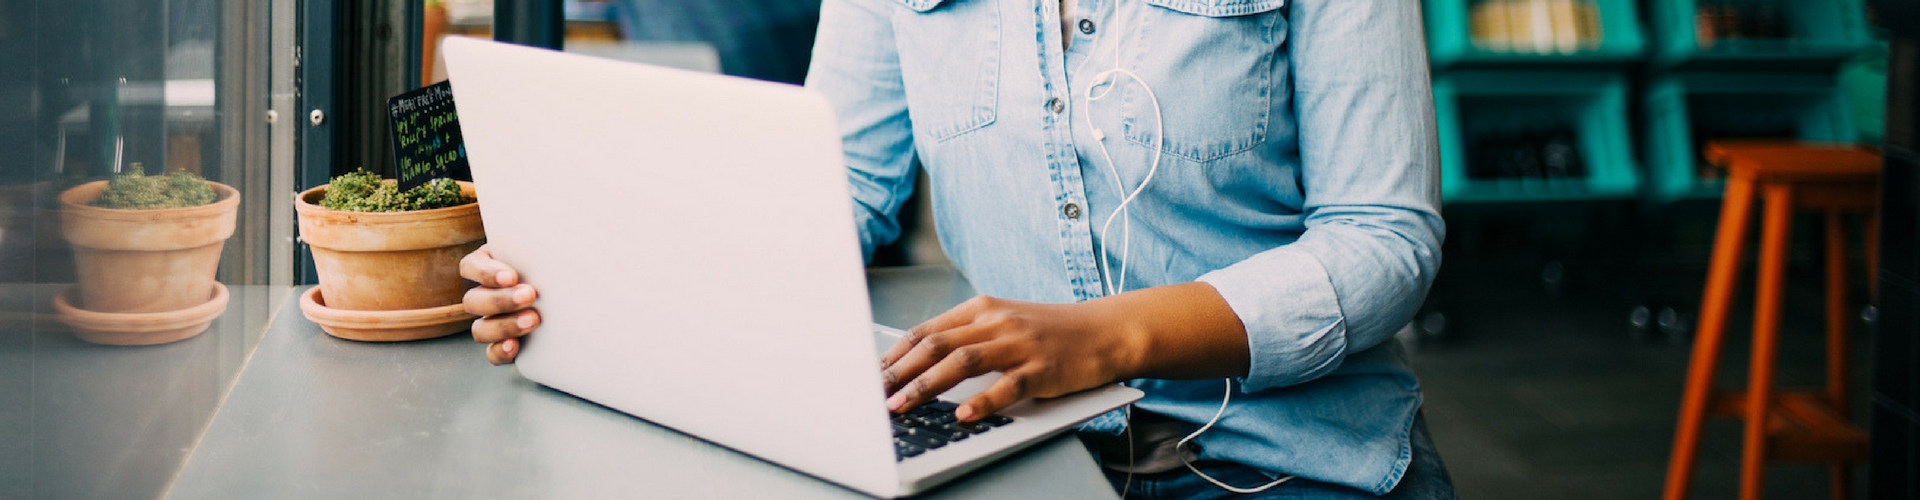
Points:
(1298, 176)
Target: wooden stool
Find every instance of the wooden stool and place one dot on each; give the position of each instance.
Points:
(1808, 424)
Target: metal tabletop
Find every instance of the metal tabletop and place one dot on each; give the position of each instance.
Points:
(99, 421)
(314, 416)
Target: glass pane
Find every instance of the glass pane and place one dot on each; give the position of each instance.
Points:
(589, 23)
(121, 326)
(443, 18)
(764, 39)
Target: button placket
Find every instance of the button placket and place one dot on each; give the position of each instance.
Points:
(1080, 261)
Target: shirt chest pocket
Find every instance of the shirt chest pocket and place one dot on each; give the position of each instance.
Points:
(950, 63)
(1211, 65)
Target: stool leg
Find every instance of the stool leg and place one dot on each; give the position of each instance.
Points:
(1840, 472)
(1723, 276)
(1766, 328)
(1837, 319)
(1872, 249)
(1837, 334)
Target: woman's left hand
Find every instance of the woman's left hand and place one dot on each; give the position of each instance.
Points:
(1042, 350)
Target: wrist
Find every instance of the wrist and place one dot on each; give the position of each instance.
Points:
(1184, 331)
(1131, 340)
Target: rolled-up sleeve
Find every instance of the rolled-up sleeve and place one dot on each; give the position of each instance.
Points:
(1370, 177)
(856, 65)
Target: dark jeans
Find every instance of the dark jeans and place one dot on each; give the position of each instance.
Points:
(1426, 479)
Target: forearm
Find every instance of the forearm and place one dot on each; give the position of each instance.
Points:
(856, 68)
(1184, 331)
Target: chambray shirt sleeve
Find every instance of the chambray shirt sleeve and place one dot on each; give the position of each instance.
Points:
(856, 65)
(1370, 176)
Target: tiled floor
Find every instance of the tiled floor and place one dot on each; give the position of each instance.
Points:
(1533, 395)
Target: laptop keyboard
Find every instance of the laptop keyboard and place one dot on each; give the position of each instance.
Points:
(933, 425)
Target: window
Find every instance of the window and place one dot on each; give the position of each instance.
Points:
(90, 90)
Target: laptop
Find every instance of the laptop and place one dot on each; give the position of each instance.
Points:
(693, 241)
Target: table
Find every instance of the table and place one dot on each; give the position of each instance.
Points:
(81, 420)
(314, 416)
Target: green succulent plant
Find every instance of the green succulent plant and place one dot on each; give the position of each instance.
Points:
(362, 191)
(135, 190)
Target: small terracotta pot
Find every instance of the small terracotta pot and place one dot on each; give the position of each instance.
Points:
(145, 261)
(389, 261)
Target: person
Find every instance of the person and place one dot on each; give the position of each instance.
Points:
(1277, 165)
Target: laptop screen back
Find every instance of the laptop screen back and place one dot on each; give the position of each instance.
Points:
(692, 240)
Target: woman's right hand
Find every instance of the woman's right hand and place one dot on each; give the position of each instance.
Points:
(503, 303)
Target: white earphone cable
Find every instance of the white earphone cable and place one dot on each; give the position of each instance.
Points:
(1112, 285)
(1094, 91)
(1115, 284)
(1127, 411)
(1196, 471)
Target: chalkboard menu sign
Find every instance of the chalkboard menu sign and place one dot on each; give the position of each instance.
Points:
(426, 135)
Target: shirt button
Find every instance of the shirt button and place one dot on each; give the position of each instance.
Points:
(1056, 105)
(1086, 26)
(1072, 211)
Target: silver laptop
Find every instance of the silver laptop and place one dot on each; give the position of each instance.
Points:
(693, 241)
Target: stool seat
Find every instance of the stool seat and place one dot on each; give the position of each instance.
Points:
(1828, 179)
(1796, 161)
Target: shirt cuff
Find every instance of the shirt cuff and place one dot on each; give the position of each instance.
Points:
(862, 225)
(1295, 331)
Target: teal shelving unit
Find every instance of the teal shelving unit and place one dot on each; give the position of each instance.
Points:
(1592, 105)
(1730, 105)
(1819, 31)
(1450, 42)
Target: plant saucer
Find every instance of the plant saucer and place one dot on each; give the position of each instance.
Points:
(384, 326)
(138, 328)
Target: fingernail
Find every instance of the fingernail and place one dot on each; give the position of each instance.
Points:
(523, 295)
(965, 412)
(506, 346)
(894, 403)
(502, 277)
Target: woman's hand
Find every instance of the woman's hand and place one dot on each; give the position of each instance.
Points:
(502, 302)
(1042, 350)
(1048, 350)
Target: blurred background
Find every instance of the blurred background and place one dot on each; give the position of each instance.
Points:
(1581, 209)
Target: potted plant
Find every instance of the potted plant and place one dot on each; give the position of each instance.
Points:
(145, 252)
(388, 260)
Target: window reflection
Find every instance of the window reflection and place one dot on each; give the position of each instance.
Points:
(121, 326)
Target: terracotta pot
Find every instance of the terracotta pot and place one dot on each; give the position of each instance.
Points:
(389, 261)
(145, 261)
